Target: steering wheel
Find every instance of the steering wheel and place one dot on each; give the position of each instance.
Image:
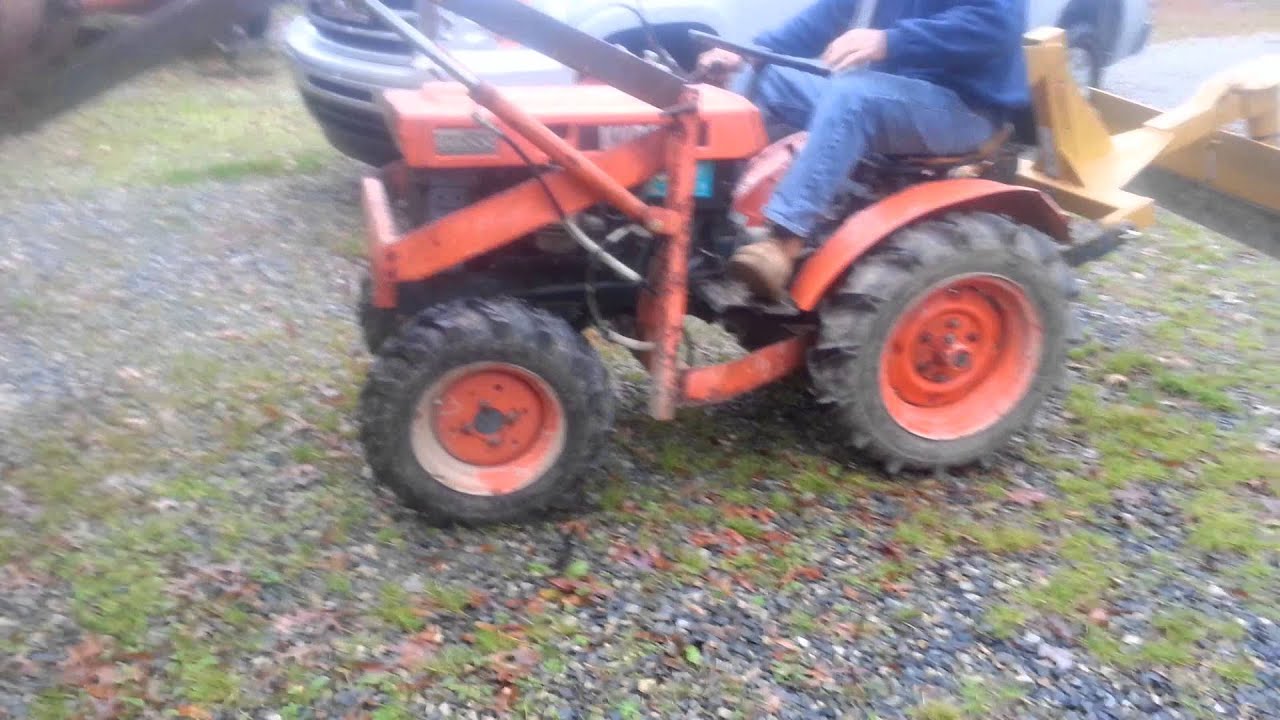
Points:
(759, 56)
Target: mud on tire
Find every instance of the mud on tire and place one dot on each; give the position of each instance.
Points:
(376, 324)
(878, 361)
(463, 368)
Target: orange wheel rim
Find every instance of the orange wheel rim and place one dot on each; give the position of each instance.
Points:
(488, 429)
(961, 358)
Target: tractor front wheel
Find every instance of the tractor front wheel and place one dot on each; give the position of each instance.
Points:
(944, 343)
(485, 411)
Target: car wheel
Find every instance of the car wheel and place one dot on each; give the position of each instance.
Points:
(1084, 57)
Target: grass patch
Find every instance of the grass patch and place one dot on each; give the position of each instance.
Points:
(1136, 443)
(1206, 390)
(929, 531)
(1006, 539)
(1071, 589)
(1237, 466)
(1006, 620)
(1086, 546)
(450, 598)
(188, 123)
(1236, 672)
(201, 679)
(1221, 523)
(937, 710)
(1128, 363)
(980, 699)
(1106, 648)
(395, 609)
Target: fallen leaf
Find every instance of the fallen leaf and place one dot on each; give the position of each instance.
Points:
(416, 648)
(306, 620)
(889, 550)
(1026, 497)
(575, 527)
(895, 588)
(194, 712)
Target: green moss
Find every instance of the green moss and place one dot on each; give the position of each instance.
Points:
(1006, 539)
(1236, 672)
(937, 710)
(1222, 524)
(1207, 390)
(54, 704)
(982, 699)
(201, 678)
(746, 527)
(451, 598)
(1086, 546)
(1128, 363)
(395, 608)
(1072, 589)
(1110, 651)
(1005, 620)
(489, 641)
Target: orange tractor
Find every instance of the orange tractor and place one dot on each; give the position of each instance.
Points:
(934, 319)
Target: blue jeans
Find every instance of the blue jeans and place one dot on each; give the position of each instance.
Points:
(847, 117)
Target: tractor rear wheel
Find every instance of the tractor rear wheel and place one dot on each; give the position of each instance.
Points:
(485, 411)
(944, 343)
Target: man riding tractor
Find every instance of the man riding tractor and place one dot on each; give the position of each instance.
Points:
(928, 77)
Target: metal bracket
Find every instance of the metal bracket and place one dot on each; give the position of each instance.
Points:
(1103, 244)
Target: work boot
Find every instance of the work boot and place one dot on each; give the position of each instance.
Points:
(766, 267)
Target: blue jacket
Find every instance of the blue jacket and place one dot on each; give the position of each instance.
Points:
(973, 47)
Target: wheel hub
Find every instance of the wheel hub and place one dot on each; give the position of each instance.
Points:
(956, 335)
(488, 429)
(961, 357)
(488, 418)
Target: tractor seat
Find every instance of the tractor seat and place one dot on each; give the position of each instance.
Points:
(942, 163)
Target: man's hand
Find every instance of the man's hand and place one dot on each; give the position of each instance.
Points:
(717, 64)
(856, 48)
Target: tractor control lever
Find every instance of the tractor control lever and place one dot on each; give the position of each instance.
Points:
(760, 56)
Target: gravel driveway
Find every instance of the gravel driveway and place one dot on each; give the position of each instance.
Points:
(187, 528)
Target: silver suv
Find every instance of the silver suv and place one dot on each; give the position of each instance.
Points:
(342, 58)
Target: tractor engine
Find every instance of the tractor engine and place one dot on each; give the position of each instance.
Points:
(455, 157)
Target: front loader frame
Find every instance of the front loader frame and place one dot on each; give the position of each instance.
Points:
(578, 184)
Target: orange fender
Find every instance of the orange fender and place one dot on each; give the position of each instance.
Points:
(866, 229)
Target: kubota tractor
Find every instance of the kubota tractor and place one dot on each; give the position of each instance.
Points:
(934, 319)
